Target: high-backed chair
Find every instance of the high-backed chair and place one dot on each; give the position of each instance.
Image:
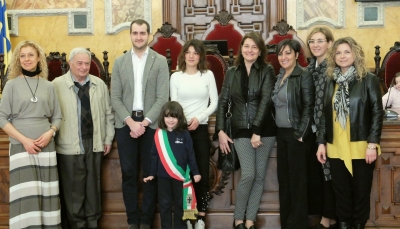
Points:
(167, 43)
(390, 65)
(3, 75)
(224, 27)
(96, 67)
(217, 65)
(54, 63)
(279, 32)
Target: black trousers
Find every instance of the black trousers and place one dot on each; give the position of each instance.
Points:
(131, 151)
(170, 195)
(292, 158)
(352, 192)
(202, 146)
(80, 187)
(321, 197)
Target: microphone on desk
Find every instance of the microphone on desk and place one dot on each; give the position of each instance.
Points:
(389, 114)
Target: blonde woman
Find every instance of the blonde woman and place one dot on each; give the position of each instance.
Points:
(350, 130)
(30, 115)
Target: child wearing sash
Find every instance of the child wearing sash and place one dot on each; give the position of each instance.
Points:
(172, 161)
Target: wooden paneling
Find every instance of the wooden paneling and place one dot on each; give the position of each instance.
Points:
(192, 18)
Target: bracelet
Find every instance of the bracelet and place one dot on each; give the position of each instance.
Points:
(371, 147)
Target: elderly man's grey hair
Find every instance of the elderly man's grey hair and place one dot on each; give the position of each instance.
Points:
(79, 50)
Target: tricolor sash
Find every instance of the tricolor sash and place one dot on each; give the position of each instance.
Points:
(175, 171)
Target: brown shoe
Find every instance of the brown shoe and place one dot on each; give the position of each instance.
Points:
(133, 226)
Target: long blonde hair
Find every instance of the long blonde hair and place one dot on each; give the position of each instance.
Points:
(15, 64)
(359, 57)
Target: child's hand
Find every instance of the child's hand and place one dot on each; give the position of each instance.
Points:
(148, 178)
(197, 178)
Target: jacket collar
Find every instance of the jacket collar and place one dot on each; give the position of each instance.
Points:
(255, 64)
(296, 71)
(70, 82)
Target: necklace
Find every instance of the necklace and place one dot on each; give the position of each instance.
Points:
(34, 99)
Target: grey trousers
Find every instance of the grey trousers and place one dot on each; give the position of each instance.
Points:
(80, 187)
(253, 164)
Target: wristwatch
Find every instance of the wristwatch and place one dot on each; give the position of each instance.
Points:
(371, 147)
(54, 133)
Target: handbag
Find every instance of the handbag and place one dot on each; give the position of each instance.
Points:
(228, 162)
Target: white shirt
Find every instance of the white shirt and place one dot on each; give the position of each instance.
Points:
(196, 93)
(138, 68)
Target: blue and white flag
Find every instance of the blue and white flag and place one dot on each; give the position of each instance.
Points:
(5, 44)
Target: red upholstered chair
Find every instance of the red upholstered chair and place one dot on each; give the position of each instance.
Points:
(217, 65)
(224, 27)
(96, 68)
(280, 32)
(390, 65)
(56, 66)
(165, 39)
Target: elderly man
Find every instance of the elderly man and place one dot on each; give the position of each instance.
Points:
(139, 88)
(85, 135)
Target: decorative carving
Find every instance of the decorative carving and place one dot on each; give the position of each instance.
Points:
(166, 30)
(282, 27)
(223, 17)
(223, 181)
(106, 64)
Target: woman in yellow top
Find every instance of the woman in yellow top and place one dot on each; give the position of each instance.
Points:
(351, 129)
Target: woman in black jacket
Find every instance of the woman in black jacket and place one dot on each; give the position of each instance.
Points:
(293, 98)
(351, 128)
(249, 84)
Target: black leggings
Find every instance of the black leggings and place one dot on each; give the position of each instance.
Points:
(202, 146)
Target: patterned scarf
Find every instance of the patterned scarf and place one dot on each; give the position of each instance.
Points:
(170, 164)
(341, 101)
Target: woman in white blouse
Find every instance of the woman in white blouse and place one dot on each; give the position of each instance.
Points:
(194, 87)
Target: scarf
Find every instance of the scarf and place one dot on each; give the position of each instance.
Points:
(341, 100)
(31, 74)
(175, 171)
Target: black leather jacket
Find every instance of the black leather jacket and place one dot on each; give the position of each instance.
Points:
(250, 114)
(300, 98)
(365, 116)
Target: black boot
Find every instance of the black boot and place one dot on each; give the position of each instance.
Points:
(345, 225)
(359, 226)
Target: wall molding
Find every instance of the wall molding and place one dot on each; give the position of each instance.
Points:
(88, 11)
(360, 15)
(110, 29)
(340, 23)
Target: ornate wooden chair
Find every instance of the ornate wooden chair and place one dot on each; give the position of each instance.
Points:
(167, 43)
(280, 32)
(217, 65)
(96, 67)
(57, 65)
(390, 65)
(224, 27)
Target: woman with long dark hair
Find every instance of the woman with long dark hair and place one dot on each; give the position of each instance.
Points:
(194, 87)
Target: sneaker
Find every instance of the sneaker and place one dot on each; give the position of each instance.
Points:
(200, 224)
(189, 224)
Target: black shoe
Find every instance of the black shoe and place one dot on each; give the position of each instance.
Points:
(359, 226)
(239, 226)
(345, 225)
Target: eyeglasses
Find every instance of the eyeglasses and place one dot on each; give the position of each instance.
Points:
(319, 41)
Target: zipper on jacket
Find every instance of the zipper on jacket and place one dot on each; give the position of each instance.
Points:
(247, 110)
(287, 100)
(305, 128)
